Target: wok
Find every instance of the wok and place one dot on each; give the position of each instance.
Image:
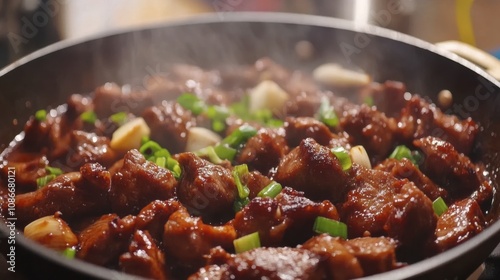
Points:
(48, 76)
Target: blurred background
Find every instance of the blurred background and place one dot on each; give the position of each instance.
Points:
(27, 25)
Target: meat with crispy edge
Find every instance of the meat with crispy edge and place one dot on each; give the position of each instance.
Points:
(205, 188)
(313, 169)
(453, 171)
(138, 182)
(88, 147)
(144, 258)
(404, 168)
(154, 216)
(169, 123)
(106, 239)
(420, 118)
(378, 204)
(188, 239)
(74, 194)
(263, 151)
(462, 221)
(285, 220)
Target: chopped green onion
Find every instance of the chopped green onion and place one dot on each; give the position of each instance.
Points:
(161, 161)
(247, 242)
(332, 227)
(343, 156)
(53, 170)
(225, 152)
(149, 148)
(271, 190)
(274, 123)
(174, 166)
(326, 114)
(401, 152)
(192, 103)
(42, 181)
(89, 117)
(41, 115)
(218, 126)
(238, 172)
(240, 203)
(418, 157)
(69, 253)
(241, 109)
(119, 118)
(439, 206)
(145, 139)
(210, 153)
(240, 136)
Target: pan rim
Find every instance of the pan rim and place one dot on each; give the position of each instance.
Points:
(413, 270)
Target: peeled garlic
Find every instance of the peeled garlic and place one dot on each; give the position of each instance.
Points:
(52, 232)
(360, 156)
(199, 138)
(129, 135)
(267, 95)
(334, 75)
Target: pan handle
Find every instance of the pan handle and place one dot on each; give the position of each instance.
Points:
(479, 57)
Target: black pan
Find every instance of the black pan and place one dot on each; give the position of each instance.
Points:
(49, 76)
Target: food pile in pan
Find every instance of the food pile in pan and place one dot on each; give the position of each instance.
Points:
(249, 172)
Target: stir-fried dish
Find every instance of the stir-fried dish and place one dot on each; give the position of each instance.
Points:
(248, 172)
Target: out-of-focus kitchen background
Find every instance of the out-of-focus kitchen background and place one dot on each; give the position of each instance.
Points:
(27, 25)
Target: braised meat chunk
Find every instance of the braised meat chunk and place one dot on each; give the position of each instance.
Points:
(139, 182)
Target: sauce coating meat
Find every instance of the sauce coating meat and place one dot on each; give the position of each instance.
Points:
(248, 172)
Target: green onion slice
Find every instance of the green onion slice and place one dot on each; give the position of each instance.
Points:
(53, 170)
(240, 203)
(42, 181)
(326, 114)
(240, 136)
(89, 117)
(192, 103)
(69, 253)
(343, 156)
(161, 161)
(439, 206)
(271, 190)
(247, 242)
(149, 148)
(41, 115)
(210, 153)
(225, 152)
(331, 227)
(119, 118)
(369, 100)
(238, 172)
(401, 152)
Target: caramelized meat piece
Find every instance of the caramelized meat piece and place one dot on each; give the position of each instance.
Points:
(303, 104)
(111, 98)
(154, 216)
(342, 264)
(462, 221)
(255, 182)
(144, 258)
(269, 263)
(212, 272)
(205, 188)
(188, 239)
(73, 194)
(138, 183)
(404, 168)
(421, 119)
(379, 204)
(313, 169)
(169, 124)
(452, 170)
(26, 173)
(103, 241)
(389, 97)
(88, 147)
(288, 219)
(263, 151)
(375, 254)
(297, 129)
(371, 129)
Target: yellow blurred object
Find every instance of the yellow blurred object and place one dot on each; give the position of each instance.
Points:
(464, 21)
